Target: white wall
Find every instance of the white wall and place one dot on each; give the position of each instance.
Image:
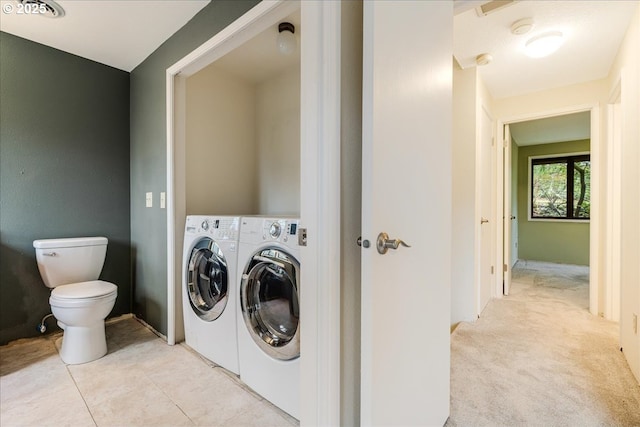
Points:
(626, 69)
(585, 94)
(463, 307)
(243, 144)
(278, 144)
(220, 144)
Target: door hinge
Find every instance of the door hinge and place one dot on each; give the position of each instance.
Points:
(505, 268)
(492, 269)
(302, 237)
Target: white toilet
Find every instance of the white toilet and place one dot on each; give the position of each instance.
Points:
(78, 300)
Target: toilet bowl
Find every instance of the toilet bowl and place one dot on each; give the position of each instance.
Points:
(79, 301)
(80, 310)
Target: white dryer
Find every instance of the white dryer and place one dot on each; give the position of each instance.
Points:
(269, 314)
(210, 288)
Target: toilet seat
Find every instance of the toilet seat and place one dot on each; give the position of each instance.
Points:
(83, 293)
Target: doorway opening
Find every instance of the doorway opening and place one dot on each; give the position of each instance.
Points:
(550, 191)
(541, 228)
(318, 192)
(182, 194)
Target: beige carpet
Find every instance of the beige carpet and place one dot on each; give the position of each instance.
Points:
(538, 358)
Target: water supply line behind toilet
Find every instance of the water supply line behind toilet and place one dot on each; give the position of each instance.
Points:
(42, 327)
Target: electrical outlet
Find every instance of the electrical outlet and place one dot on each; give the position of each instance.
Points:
(163, 200)
(149, 199)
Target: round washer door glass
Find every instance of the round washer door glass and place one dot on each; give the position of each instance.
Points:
(269, 300)
(206, 280)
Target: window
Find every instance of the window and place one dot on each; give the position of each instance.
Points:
(561, 187)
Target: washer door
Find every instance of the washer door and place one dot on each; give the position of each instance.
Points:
(269, 301)
(206, 280)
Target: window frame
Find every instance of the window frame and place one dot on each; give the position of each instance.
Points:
(568, 157)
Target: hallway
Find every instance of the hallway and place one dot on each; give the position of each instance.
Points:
(537, 357)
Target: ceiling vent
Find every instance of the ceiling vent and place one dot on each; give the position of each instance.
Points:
(47, 8)
(493, 6)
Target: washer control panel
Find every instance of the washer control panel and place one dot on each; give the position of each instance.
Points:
(216, 227)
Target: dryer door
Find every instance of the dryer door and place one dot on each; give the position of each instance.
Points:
(269, 301)
(206, 280)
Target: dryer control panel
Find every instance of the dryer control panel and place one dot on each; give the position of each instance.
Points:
(281, 230)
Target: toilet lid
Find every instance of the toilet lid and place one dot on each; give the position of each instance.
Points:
(84, 290)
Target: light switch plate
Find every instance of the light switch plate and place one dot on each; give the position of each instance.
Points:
(149, 199)
(163, 200)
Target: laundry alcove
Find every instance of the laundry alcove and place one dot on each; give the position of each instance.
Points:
(316, 200)
(242, 131)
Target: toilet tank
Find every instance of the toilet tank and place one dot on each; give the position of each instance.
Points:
(64, 261)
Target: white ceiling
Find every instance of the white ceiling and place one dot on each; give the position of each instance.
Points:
(259, 59)
(593, 31)
(122, 33)
(119, 33)
(569, 127)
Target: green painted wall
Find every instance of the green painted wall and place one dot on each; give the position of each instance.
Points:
(562, 242)
(64, 171)
(148, 155)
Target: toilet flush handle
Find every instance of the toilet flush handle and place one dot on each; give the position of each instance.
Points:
(50, 254)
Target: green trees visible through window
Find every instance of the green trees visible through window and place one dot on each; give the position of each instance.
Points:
(560, 187)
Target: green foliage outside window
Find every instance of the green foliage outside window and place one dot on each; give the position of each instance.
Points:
(561, 187)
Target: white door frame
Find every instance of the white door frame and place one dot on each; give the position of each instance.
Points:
(614, 205)
(320, 213)
(596, 170)
(320, 188)
(507, 224)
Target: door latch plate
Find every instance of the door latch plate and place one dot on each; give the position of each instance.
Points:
(302, 237)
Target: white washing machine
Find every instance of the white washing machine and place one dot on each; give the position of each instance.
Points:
(210, 288)
(269, 314)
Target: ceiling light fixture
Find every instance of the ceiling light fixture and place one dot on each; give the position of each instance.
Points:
(544, 44)
(522, 26)
(286, 40)
(483, 59)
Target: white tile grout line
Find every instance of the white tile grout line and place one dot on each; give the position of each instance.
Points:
(76, 385)
(170, 399)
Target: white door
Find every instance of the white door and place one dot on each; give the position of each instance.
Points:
(406, 162)
(507, 217)
(485, 203)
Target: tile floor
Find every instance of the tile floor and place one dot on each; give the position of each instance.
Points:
(140, 382)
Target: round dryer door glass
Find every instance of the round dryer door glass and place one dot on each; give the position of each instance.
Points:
(206, 282)
(269, 298)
